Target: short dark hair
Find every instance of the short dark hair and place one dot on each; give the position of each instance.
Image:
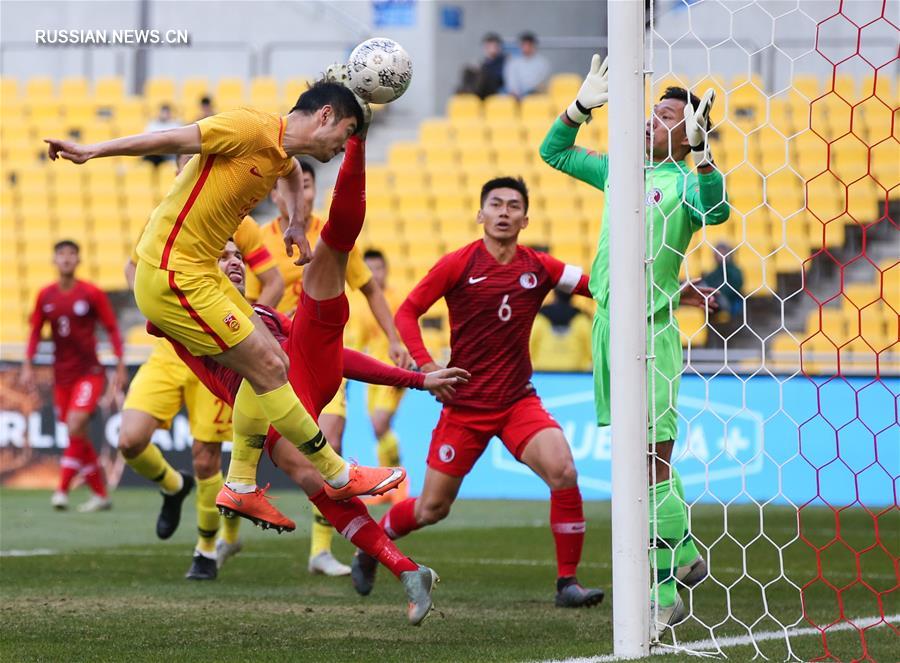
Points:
(339, 97)
(374, 254)
(492, 37)
(529, 37)
(206, 100)
(515, 183)
(307, 167)
(66, 244)
(681, 94)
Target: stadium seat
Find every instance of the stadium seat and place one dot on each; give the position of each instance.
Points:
(464, 106)
(264, 94)
(501, 108)
(39, 88)
(538, 108)
(109, 89)
(229, 93)
(9, 88)
(73, 88)
(159, 90)
(404, 155)
(435, 131)
(292, 89)
(192, 89)
(563, 88)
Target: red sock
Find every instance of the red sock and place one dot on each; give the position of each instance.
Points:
(69, 467)
(400, 520)
(567, 524)
(348, 204)
(352, 520)
(93, 476)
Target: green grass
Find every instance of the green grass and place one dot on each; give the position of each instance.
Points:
(110, 591)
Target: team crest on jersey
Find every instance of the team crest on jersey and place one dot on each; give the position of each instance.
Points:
(80, 307)
(447, 453)
(654, 197)
(233, 323)
(528, 280)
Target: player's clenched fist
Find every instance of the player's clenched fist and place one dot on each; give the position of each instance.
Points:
(67, 150)
(594, 91)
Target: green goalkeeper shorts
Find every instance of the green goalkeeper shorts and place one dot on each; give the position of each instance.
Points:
(663, 374)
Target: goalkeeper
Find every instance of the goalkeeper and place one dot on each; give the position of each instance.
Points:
(682, 201)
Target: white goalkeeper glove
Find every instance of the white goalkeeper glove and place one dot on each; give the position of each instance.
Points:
(594, 91)
(696, 126)
(338, 73)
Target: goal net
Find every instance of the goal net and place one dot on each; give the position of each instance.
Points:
(788, 446)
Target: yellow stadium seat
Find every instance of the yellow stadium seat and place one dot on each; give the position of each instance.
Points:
(109, 88)
(440, 156)
(475, 156)
(413, 202)
(293, 88)
(444, 180)
(692, 325)
(501, 108)
(538, 108)
(160, 89)
(403, 154)
(435, 131)
(377, 177)
(192, 89)
(380, 201)
(73, 88)
(39, 88)
(563, 88)
(506, 133)
(407, 179)
(464, 106)
(9, 88)
(263, 91)
(229, 93)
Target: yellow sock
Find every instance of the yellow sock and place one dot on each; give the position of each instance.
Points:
(231, 527)
(289, 418)
(322, 533)
(151, 465)
(388, 449)
(250, 426)
(207, 513)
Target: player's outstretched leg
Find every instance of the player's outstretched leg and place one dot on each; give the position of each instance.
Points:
(352, 520)
(548, 454)
(147, 460)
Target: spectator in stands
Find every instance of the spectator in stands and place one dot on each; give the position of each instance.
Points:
(728, 280)
(561, 337)
(162, 122)
(529, 72)
(206, 107)
(487, 78)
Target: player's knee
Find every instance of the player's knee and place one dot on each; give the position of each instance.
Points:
(206, 461)
(132, 442)
(565, 476)
(430, 513)
(380, 427)
(270, 370)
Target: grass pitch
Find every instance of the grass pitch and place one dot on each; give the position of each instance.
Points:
(101, 587)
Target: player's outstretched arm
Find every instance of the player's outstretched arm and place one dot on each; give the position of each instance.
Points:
(559, 150)
(295, 235)
(184, 140)
(36, 323)
(694, 293)
(706, 198)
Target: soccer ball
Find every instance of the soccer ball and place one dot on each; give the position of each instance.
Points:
(380, 70)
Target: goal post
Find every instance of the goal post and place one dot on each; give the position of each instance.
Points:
(628, 327)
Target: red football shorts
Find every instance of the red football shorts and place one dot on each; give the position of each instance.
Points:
(315, 350)
(82, 394)
(462, 434)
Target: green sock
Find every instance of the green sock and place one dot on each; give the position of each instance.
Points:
(687, 552)
(667, 513)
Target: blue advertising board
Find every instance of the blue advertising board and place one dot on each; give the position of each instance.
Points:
(762, 438)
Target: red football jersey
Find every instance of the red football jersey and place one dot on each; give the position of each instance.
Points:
(492, 308)
(73, 315)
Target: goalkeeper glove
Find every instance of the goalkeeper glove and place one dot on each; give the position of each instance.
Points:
(696, 126)
(594, 91)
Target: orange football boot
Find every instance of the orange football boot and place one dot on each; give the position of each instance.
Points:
(255, 507)
(367, 481)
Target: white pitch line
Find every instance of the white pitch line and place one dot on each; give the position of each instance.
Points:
(698, 646)
(28, 553)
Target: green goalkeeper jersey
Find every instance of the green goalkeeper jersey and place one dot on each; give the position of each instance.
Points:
(681, 201)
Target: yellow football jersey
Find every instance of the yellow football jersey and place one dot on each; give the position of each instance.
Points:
(368, 336)
(249, 241)
(358, 273)
(566, 351)
(240, 159)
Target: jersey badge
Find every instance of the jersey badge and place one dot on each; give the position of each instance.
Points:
(80, 307)
(233, 323)
(654, 197)
(528, 280)
(447, 453)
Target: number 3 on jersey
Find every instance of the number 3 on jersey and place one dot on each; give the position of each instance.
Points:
(505, 310)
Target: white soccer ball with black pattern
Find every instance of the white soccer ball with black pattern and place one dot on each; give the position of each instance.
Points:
(380, 70)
